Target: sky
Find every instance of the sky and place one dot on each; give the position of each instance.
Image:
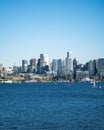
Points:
(55, 27)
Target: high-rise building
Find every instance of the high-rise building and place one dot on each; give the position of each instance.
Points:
(24, 66)
(44, 59)
(100, 63)
(33, 62)
(32, 67)
(60, 67)
(43, 64)
(38, 67)
(69, 64)
(91, 68)
(95, 66)
(54, 66)
(75, 64)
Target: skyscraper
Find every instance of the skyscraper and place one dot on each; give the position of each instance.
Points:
(24, 65)
(54, 66)
(69, 64)
(75, 63)
(38, 67)
(44, 59)
(60, 66)
(32, 67)
(91, 68)
(100, 64)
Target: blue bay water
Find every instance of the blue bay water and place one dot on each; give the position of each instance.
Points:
(51, 106)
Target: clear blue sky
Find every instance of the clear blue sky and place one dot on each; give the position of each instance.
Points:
(31, 27)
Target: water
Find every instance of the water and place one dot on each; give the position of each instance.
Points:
(51, 106)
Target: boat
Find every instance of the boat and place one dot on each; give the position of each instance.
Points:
(94, 84)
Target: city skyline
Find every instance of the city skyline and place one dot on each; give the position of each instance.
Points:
(29, 28)
(45, 59)
(65, 69)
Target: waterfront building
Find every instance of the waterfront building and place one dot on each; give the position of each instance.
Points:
(81, 74)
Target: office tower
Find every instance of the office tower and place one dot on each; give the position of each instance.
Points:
(44, 60)
(43, 64)
(91, 68)
(38, 67)
(100, 64)
(75, 64)
(101, 68)
(69, 64)
(54, 66)
(60, 67)
(32, 67)
(64, 69)
(95, 66)
(33, 62)
(24, 66)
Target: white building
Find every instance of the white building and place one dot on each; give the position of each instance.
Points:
(69, 64)
(44, 58)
